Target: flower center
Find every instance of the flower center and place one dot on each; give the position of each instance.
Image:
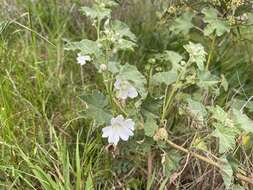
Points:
(116, 126)
(124, 85)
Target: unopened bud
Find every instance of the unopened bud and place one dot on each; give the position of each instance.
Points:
(102, 5)
(103, 67)
(152, 60)
(161, 134)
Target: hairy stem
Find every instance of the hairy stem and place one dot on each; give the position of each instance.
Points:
(167, 103)
(150, 164)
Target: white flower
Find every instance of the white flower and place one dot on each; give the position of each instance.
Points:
(82, 59)
(120, 128)
(125, 89)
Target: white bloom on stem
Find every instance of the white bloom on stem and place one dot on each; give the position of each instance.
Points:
(125, 89)
(120, 128)
(82, 59)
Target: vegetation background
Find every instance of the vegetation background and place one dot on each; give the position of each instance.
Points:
(46, 142)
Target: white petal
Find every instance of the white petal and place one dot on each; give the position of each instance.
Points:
(132, 92)
(124, 133)
(82, 59)
(113, 138)
(86, 57)
(122, 94)
(117, 84)
(129, 124)
(119, 119)
(107, 131)
(113, 121)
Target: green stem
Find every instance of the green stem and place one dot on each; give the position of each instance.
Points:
(98, 30)
(150, 74)
(113, 101)
(120, 107)
(108, 89)
(168, 100)
(82, 75)
(211, 52)
(164, 103)
(107, 80)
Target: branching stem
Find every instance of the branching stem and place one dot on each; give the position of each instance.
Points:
(209, 161)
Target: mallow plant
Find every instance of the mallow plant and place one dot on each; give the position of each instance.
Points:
(154, 104)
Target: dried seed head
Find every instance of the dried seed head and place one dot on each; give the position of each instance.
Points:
(161, 134)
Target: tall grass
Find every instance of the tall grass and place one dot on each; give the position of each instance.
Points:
(40, 123)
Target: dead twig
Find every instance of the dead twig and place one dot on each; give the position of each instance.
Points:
(209, 161)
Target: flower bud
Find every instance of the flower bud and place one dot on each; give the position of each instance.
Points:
(103, 67)
(100, 45)
(161, 134)
(151, 60)
(102, 5)
(114, 50)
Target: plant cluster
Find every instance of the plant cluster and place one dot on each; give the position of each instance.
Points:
(175, 94)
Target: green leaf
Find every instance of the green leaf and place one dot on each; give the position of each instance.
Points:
(131, 73)
(3, 25)
(151, 107)
(206, 80)
(197, 54)
(200, 144)
(85, 46)
(227, 173)
(125, 45)
(114, 67)
(197, 109)
(89, 183)
(96, 107)
(45, 179)
(150, 127)
(164, 182)
(243, 121)
(78, 165)
(250, 18)
(167, 78)
(171, 162)
(238, 104)
(224, 83)
(96, 12)
(108, 3)
(214, 23)
(169, 56)
(226, 136)
(122, 30)
(219, 114)
(150, 181)
(124, 39)
(237, 187)
(183, 24)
